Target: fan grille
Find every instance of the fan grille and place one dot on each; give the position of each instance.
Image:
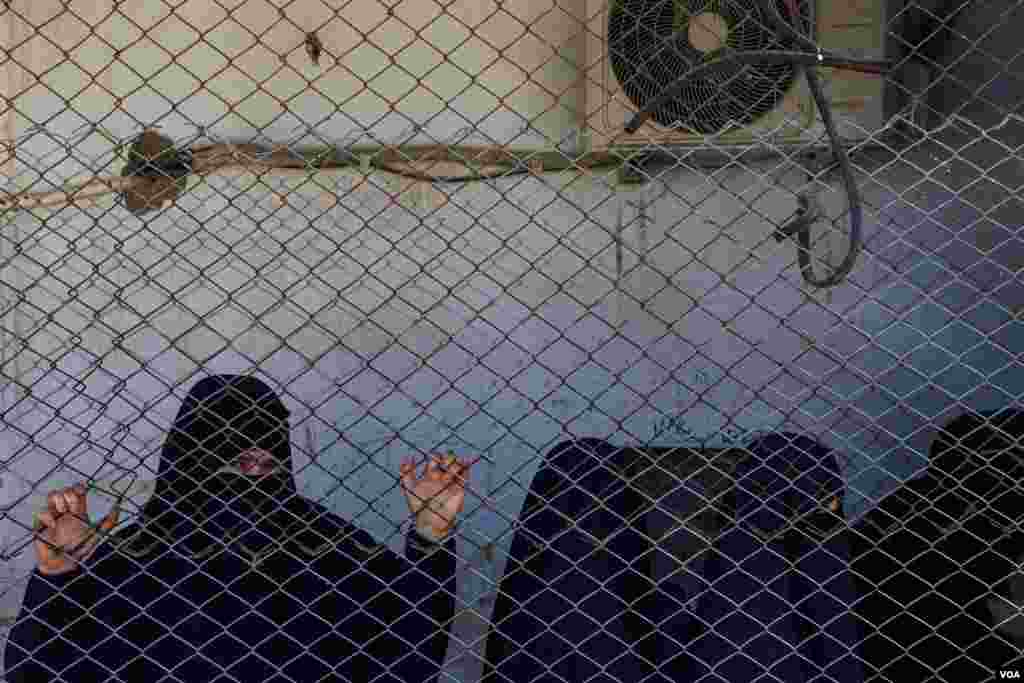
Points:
(649, 42)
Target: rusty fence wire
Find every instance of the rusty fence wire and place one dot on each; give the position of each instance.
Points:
(721, 297)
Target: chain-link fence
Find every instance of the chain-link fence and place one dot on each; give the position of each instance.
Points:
(719, 297)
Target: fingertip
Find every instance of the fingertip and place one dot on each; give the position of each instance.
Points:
(111, 520)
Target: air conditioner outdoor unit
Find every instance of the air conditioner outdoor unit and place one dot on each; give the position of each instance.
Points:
(635, 48)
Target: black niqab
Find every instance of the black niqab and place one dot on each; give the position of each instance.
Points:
(197, 507)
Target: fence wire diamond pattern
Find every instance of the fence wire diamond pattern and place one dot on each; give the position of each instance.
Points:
(516, 340)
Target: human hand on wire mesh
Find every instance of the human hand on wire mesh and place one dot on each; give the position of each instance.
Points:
(64, 534)
(438, 495)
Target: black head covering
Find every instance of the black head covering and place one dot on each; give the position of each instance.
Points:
(198, 509)
(980, 451)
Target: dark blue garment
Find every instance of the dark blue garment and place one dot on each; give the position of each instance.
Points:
(559, 615)
(226, 580)
(782, 591)
(595, 591)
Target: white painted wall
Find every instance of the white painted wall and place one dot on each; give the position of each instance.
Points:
(474, 73)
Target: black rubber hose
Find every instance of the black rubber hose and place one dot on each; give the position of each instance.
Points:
(839, 151)
(852, 196)
(803, 59)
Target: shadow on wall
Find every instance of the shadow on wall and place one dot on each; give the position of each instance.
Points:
(966, 58)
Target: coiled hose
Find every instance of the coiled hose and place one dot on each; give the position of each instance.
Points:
(813, 57)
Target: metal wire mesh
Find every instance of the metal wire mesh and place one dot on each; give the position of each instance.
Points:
(424, 227)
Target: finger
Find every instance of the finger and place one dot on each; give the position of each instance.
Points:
(70, 500)
(46, 523)
(416, 468)
(408, 483)
(430, 468)
(408, 476)
(441, 466)
(411, 465)
(110, 521)
(57, 502)
(76, 499)
(456, 474)
(457, 503)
